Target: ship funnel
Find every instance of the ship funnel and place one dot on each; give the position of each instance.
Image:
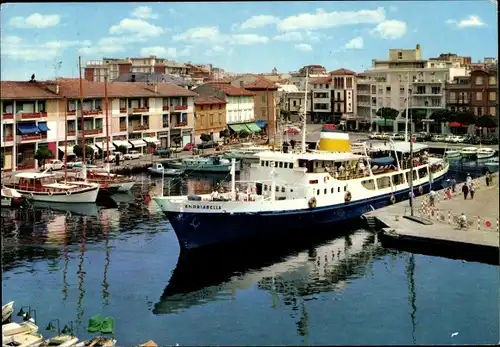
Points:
(333, 140)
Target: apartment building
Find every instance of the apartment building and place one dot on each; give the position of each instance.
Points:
(140, 117)
(313, 71)
(210, 117)
(239, 104)
(405, 71)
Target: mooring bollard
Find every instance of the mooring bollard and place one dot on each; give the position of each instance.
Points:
(478, 223)
(497, 226)
(449, 217)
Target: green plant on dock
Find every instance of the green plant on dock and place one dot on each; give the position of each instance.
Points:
(42, 155)
(89, 151)
(205, 137)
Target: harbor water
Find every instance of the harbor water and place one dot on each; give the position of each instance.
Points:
(120, 258)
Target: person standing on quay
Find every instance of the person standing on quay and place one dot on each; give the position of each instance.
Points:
(472, 190)
(453, 185)
(465, 190)
(432, 198)
(488, 175)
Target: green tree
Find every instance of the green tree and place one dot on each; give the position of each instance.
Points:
(441, 115)
(177, 141)
(205, 137)
(122, 149)
(89, 151)
(417, 114)
(486, 121)
(387, 113)
(224, 133)
(465, 117)
(43, 154)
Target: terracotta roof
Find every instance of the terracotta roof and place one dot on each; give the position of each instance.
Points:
(321, 80)
(222, 80)
(25, 90)
(70, 88)
(208, 100)
(231, 90)
(342, 72)
(260, 83)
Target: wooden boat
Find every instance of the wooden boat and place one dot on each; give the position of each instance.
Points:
(45, 187)
(469, 152)
(8, 308)
(11, 197)
(485, 153)
(60, 341)
(159, 170)
(23, 340)
(214, 164)
(108, 182)
(97, 342)
(11, 329)
(452, 153)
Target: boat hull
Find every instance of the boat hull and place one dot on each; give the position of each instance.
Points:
(167, 172)
(204, 168)
(13, 202)
(485, 156)
(468, 155)
(196, 230)
(82, 196)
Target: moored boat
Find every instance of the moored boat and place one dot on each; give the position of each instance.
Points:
(11, 329)
(45, 187)
(215, 164)
(485, 153)
(11, 197)
(159, 170)
(7, 310)
(492, 165)
(452, 154)
(23, 340)
(60, 341)
(97, 342)
(469, 152)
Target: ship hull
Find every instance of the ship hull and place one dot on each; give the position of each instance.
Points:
(196, 230)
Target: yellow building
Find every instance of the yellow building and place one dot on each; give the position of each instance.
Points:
(210, 117)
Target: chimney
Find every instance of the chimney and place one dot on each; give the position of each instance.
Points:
(54, 88)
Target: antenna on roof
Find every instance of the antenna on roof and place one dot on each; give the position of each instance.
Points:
(57, 66)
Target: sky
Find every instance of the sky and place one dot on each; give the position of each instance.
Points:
(255, 37)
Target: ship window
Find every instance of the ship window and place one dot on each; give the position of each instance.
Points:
(313, 182)
(384, 182)
(282, 189)
(291, 165)
(277, 189)
(368, 184)
(414, 175)
(422, 172)
(285, 165)
(345, 188)
(262, 163)
(397, 179)
(326, 191)
(265, 186)
(291, 190)
(280, 164)
(317, 192)
(332, 190)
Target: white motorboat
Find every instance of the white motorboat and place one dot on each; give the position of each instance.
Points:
(60, 341)
(492, 164)
(485, 153)
(469, 152)
(452, 153)
(214, 164)
(97, 342)
(7, 309)
(45, 187)
(11, 197)
(159, 170)
(23, 340)
(11, 329)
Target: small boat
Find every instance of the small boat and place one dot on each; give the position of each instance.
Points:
(469, 152)
(60, 341)
(150, 343)
(23, 340)
(97, 342)
(215, 164)
(11, 197)
(492, 165)
(452, 153)
(159, 169)
(485, 153)
(8, 308)
(11, 329)
(247, 152)
(45, 187)
(108, 182)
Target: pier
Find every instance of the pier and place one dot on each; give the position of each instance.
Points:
(438, 232)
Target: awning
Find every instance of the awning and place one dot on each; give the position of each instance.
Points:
(137, 143)
(94, 147)
(455, 125)
(68, 148)
(103, 146)
(123, 143)
(238, 127)
(253, 127)
(43, 127)
(152, 140)
(27, 128)
(383, 122)
(261, 123)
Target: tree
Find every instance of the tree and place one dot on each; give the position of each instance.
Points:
(486, 121)
(417, 114)
(177, 141)
(285, 115)
(387, 113)
(205, 137)
(441, 115)
(43, 154)
(243, 134)
(465, 117)
(89, 151)
(224, 133)
(122, 149)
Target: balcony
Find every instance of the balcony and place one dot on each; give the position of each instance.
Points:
(165, 108)
(7, 116)
(180, 124)
(92, 132)
(123, 127)
(180, 107)
(71, 133)
(140, 109)
(31, 115)
(87, 113)
(8, 138)
(123, 110)
(139, 127)
(28, 138)
(165, 125)
(321, 100)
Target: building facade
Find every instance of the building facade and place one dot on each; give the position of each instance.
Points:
(406, 73)
(48, 114)
(210, 117)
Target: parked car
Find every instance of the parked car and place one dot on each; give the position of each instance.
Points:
(189, 147)
(373, 136)
(438, 138)
(457, 139)
(472, 139)
(397, 137)
(207, 144)
(112, 158)
(52, 164)
(132, 155)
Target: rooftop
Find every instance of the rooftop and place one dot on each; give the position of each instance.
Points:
(342, 72)
(231, 90)
(207, 100)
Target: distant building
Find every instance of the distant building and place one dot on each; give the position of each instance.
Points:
(210, 117)
(155, 77)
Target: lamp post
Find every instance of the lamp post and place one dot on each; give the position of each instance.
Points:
(67, 330)
(27, 315)
(51, 327)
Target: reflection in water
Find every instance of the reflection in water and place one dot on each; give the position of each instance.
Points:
(81, 275)
(410, 273)
(105, 284)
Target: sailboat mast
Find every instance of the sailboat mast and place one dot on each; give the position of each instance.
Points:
(81, 112)
(65, 139)
(305, 114)
(407, 100)
(106, 105)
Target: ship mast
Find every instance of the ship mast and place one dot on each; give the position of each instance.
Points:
(106, 105)
(305, 114)
(84, 146)
(65, 139)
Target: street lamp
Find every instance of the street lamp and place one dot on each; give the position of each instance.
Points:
(51, 327)
(67, 330)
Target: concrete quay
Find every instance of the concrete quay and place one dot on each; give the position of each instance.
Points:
(438, 233)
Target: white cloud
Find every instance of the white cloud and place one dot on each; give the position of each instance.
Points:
(393, 8)
(170, 52)
(472, 21)
(15, 48)
(289, 36)
(215, 50)
(136, 26)
(36, 20)
(258, 22)
(390, 29)
(144, 12)
(248, 39)
(355, 43)
(305, 47)
(111, 44)
(324, 20)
